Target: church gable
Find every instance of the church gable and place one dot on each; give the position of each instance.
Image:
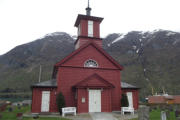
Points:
(92, 52)
(94, 81)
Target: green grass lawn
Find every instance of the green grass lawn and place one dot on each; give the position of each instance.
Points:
(45, 118)
(156, 115)
(6, 115)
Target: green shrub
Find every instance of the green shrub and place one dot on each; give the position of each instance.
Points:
(124, 101)
(60, 101)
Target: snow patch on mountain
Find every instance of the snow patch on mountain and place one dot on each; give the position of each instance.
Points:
(170, 33)
(137, 51)
(142, 32)
(53, 34)
(121, 36)
(56, 34)
(154, 31)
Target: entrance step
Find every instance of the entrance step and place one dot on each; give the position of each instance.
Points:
(102, 116)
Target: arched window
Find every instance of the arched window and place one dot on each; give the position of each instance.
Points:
(90, 63)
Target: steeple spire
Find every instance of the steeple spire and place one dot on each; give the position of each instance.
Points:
(88, 10)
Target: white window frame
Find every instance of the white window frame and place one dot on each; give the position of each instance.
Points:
(90, 28)
(79, 29)
(85, 63)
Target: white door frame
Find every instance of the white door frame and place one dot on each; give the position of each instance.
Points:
(94, 100)
(130, 98)
(45, 101)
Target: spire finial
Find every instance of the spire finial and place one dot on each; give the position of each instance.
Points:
(88, 10)
(88, 3)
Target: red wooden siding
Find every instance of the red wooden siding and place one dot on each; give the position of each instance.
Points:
(82, 41)
(84, 28)
(83, 107)
(96, 29)
(37, 98)
(68, 77)
(90, 52)
(106, 100)
(84, 32)
(53, 106)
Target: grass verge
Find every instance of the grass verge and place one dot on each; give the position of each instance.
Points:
(156, 115)
(6, 115)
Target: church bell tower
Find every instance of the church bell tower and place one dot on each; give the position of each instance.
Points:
(88, 29)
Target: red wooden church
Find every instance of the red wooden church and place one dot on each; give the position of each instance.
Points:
(89, 78)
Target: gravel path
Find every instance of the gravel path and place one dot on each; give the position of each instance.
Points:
(103, 116)
(123, 117)
(92, 116)
(82, 116)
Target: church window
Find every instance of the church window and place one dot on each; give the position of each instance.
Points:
(90, 63)
(90, 28)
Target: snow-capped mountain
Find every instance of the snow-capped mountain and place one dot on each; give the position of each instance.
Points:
(157, 39)
(150, 58)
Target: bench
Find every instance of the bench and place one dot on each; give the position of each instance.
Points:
(127, 109)
(68, 110)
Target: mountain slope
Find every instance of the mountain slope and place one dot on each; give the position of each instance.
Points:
(20, 67)
(151, 59)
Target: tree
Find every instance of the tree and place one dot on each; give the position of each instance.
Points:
(124, 100)
(60, 101)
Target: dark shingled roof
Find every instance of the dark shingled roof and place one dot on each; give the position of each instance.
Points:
(49, 83)
(53, 83)
(126, 85)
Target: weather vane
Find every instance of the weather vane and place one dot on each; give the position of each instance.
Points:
(88, 10)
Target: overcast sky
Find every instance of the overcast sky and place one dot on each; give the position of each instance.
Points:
(22, 21)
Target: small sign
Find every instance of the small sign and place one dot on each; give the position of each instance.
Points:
(83, 100)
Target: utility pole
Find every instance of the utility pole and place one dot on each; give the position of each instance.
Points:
(40, 74)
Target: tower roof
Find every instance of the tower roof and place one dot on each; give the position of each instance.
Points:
(87, 16)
